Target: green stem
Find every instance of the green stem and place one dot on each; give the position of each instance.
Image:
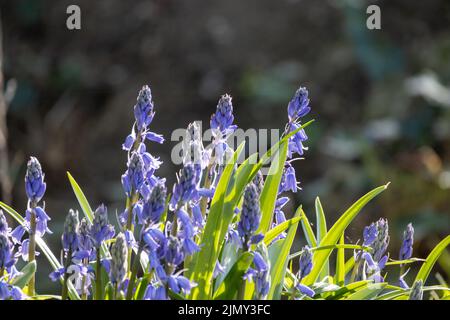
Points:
(32, 248)
(65, 290)
(130, 204)
(137, 258)
(98, 277)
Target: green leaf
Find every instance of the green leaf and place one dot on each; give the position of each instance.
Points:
(46, 297)
(276, 231)
(26, 274)
(270, 190)
(44, 248)
(307, 230)
(368, 293)
(82, 200)
(333, 235)
(212, 237)
(434, 255)
(279, 261)
(232, 282)
(350, 289)
(340, 263)
(321, 231)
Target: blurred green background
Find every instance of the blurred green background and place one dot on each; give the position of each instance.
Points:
(381, 98)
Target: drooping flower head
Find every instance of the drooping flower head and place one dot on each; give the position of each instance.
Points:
(288, 180)
(155, 205)
(185, 188)
(223, 118)
(70, 234)
(6, 255)
(305, 263)
(119, 253)
(299, 107)
(262, 271)
(34, 181)
(133, 178)
(155, 292)
(416, 291)
(143, 110)
(173, 253)
(101, 230)
(10, 292)
(250, 214)
(3, 224)
(406, 249)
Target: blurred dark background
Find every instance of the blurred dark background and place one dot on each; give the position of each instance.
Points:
(381, 98)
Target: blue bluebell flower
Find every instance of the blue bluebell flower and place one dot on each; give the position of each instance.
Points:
(305, 263)
(250, 214)
(173, 251)
(153, 207)
(4, 228)
(370, 233)
(6, 255)
(288, 180)
(85, 242)
(406, 249)
(223, 118)
(258, 181)
(101, 230)
(304, 289)
(56, 275)
(185, 189)
(119, 253)
(133, 178)
(416, 291)
(70, 234)
(382, 240)
(34, 181)
(180, 284)
(143, 109)
(295, 144)
(262, 276)
(10, 292)
(155, 292)
(299, 107)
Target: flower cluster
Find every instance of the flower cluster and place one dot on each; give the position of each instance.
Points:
(162, 232)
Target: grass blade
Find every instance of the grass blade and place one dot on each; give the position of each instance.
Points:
(333, 235)
(321, 231)
(230, 285)
(212, 237)
(278, 266)
(307, 230)
(434, 255)
(340, 263)
(276, 231)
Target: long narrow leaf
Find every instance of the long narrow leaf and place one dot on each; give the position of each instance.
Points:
(320, 257)
(321, 231)
(434, 255)
(230, 285)
(340, 263)
(307, 230)
(278, 269)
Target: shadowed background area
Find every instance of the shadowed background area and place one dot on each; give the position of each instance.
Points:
(381, 98)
